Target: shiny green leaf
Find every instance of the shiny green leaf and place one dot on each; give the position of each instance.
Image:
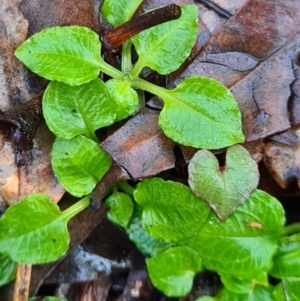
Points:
(166, 46)
(120, 208)
(142, 239)
(118, 12)
(79, 164)
(202, 113)
(173, 271)
(48, 298)
(242, 245)
(224, 189)
(35, 231)
(243, 286)
(257, 293)
(287, 258)
(287, 290)
(124, 96)
(71, 111)
(170, 210)
(68, 54)
(8, 269)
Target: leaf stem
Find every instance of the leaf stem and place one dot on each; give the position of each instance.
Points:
(110, 70)
(76, 208)
(139, 83)
(128, 189)
(126, 65)
(291, 229)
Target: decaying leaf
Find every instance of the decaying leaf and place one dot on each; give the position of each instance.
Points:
(283, 161)
(140, 146)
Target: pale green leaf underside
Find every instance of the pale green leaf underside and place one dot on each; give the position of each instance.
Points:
(142, 239)
(223, 190)
(70, 111)
(173, 270)
(166, 46)
(37, 235)
(68, 54)
(170, 210)
(118, 12)
(125, 98)
(237, 246)
(79, 164)
(202, 113)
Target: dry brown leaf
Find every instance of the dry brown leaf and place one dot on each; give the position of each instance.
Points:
(283, 161)
(140, 146)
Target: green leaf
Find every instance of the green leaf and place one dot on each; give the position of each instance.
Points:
(79, 164)
(35, 231)
(68, 54)
(142, 239)
(118, 12)
(287, 290)
(8, 269)
(287, 258)
(224, 189)
(242, 245)
(71, 111)
(202, 113)
(125, 97)
(166, 46)
(173, 271)
(243, 286)
(120, 208)
(257, 293)
(170, 210)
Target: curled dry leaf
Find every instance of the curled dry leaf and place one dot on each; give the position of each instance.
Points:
(283, 161)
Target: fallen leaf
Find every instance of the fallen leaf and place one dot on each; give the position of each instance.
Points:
(254, 58)
(283, 161)
(140, 146)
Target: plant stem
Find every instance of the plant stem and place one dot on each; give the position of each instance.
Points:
(291, 229)
(76, 208)
(110, 70)
(139, 83)
(128, 189)
(126, 65)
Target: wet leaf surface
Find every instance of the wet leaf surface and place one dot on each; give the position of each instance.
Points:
(232, 183)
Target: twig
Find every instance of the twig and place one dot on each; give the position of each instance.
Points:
(218, 9)
(117, 36)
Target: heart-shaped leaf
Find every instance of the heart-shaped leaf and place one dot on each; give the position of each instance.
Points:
(226, 189)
